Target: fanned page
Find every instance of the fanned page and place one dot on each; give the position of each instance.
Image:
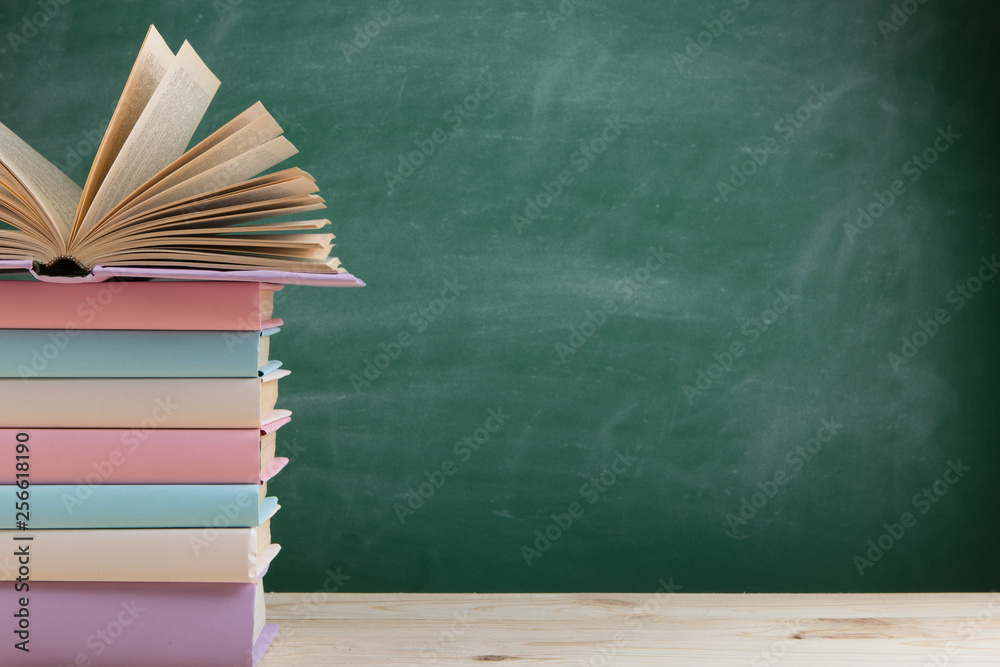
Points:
(242, 166)
(49, 196)
(161, 134)
(28, 239)
(297, 182)
(251, 128)
(149, 204)
(213, 258)
(240, 155)
(152, 63)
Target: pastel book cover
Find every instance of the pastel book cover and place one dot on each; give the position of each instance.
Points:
(193, 555)
(26, 269)
(56, 506)
(149, 306)
(144, 624)
(203, 403)
(146, 455)
(73, 353)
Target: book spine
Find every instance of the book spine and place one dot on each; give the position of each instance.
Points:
(135, 456)
(193, 555)
(138, 506)
(131, 403)
(55, 353)
(130, 624)
(167, 306)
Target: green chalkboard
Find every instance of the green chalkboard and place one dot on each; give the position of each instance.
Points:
(702, 292)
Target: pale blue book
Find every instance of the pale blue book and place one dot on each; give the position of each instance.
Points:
(207, 506)
(35, 353)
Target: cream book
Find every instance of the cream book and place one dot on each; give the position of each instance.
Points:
(148, 203)
(208, 554)
(147, 404)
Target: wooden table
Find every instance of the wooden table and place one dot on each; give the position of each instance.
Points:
(938, 630)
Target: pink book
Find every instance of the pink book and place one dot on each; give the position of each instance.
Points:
(133, 625)
(163, 306)
(147, 456)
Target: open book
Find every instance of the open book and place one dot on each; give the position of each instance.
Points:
(147, 203)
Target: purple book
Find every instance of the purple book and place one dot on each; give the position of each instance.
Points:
(69, 624)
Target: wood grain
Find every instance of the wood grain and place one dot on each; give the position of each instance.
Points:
(657, 629)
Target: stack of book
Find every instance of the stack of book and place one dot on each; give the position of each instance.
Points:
(138, 400)
(137, 437)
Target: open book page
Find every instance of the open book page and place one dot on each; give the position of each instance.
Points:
(14, 212)
(187, 213)
(160, 135)
(24, 241)
(192, 162)
(303, 246)
(152, 63)
(243, 166)
(218, 259)
(199, 208)
(293, 226)
(40, 185)
(228, 151)
(95, 251)
(17, 246)
(196, 202)
(98, 251)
